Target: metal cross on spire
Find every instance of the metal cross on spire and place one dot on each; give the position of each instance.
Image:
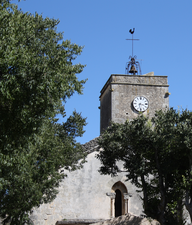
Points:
(133, 63)
(132, 32)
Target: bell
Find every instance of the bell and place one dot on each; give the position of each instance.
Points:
(133, 70)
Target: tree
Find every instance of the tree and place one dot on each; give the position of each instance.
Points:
(157, 158)
(37, 75)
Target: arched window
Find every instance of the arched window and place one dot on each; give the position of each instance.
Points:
(119, 199)
(118, 203)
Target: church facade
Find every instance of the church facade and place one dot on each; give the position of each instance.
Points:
(85, 196)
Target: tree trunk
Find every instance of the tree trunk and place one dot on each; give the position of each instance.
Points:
(188, 204)
(145, 195)
(188, 199)
(162, 204)
(180, 211)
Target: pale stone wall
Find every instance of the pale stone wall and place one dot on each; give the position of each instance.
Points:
(128, 219)
(83, 195)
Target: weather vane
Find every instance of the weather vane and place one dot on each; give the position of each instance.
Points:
(133, 63)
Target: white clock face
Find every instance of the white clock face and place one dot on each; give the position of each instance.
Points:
(140, 104)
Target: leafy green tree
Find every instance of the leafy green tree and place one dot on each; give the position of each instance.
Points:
(37, 75)
(157, 158)
(185, 133)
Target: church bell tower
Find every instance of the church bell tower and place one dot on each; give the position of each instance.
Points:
(126, 96)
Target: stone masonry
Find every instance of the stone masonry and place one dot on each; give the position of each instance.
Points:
(119, 91)
(86, 195)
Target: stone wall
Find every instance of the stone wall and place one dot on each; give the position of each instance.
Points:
(84, 194)
(119, 92)
(128, 219)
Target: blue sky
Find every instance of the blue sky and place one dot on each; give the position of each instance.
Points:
(164, 28)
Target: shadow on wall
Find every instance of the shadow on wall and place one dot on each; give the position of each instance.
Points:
(129, 219)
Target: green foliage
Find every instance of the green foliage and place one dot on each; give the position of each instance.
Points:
(37, 74)
(157, 158)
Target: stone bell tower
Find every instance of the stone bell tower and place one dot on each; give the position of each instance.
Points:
(125, 96)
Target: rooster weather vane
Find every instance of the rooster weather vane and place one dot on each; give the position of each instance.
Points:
(133, 64)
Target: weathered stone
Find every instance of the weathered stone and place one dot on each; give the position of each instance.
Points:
(119, 92)
(82, 195)
(91, 146)
(149, 74)
(78, 222)
(129, 219)
(111, 195)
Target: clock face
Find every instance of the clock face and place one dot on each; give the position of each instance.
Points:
(140, 104)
